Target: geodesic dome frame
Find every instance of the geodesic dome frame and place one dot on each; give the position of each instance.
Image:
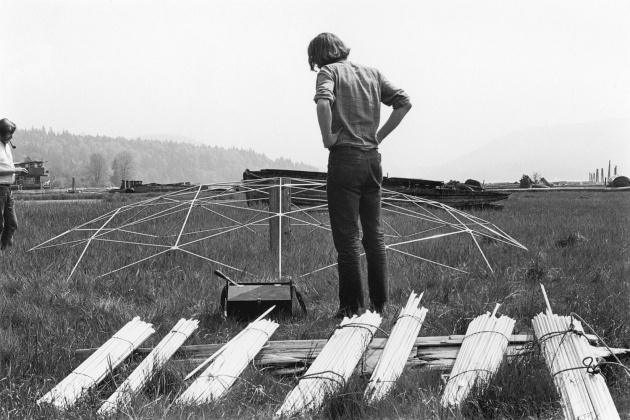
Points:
(187, 220)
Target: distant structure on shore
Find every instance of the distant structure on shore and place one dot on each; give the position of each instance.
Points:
(612, 180)
(32, 180)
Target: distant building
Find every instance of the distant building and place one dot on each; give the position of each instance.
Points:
(32, 180)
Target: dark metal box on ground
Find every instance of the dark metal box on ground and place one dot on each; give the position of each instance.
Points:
(249, 300)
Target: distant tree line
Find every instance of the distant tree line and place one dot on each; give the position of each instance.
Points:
(105, 161)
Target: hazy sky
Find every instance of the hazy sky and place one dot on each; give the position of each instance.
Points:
(235, 73)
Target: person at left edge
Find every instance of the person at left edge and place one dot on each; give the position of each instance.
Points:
(8, 219)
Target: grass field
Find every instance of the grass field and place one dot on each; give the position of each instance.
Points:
(578, 248)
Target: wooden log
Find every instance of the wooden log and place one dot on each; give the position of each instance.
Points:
(279, 203)
(434, 358)
(300, 348)
(438, 352)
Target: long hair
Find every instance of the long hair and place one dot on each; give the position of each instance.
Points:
(326, 48)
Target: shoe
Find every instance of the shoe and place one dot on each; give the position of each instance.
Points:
(346, 312)
(378, 307)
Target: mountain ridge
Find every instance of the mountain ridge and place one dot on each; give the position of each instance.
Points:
(544, 150)
(67, 156)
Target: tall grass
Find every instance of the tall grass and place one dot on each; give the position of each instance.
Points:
(45, 317)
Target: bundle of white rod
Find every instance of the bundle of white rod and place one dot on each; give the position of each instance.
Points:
(94, 369)
(228, 363)
(332, 368)
(150, 365)
(568, 355)
(397, 349)
(479, 357)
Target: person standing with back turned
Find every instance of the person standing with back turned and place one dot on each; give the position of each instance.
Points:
(8, 219)
(348, 98)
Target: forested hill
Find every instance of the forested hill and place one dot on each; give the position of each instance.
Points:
(102, 161)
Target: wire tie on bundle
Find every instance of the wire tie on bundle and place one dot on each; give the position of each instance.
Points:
(574, 368)
(219, 379)
(627, 371)
(570, 330)
(529, 346)
(621, 365)
(591, 367)
(466, 371)
(87, 376)
(131, 345)
(359, 325)
(549, 335)
(381, 330)
(485, 331)
(317, 375)
(262, 331)
(409, 316)
(564, 335)
(222, 381)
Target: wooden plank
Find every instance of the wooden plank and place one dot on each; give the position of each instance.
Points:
(301, 348)
(438, 352)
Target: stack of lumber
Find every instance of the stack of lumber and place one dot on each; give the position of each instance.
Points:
(583, 391)
(397, 348)
(95, 368)
(436, 352)
(149, 366)
(333, 367)
(228, 364)
(479, 358)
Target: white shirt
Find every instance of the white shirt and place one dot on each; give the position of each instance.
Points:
(6, 164)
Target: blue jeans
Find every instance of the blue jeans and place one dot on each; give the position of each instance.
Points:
(353, 188)
(8, 219)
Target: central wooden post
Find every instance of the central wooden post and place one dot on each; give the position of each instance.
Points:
(279, 203)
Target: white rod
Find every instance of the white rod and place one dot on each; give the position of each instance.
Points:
(542, 287)
(218, 352)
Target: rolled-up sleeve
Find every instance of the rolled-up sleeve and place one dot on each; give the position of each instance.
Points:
(325, 88)
(392, 96)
